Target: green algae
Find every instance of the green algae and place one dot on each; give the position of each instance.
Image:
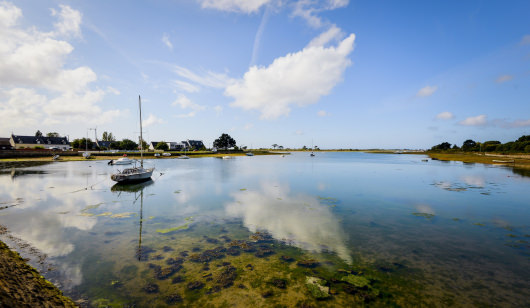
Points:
(243, 189)
(357, 281)
(182, 227)
(177, 191)
(317, 287)
(456, 219)
(479, 224)
(424, 215)
(105, 214)
(123, 215)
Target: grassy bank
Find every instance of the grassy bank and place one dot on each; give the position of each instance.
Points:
(514, 160)
(22, 286)
(149, 155)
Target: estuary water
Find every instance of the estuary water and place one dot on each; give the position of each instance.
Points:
(339, 229)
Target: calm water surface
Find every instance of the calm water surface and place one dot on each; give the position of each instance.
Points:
(377, 230)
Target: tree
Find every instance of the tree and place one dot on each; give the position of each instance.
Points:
(81, 143)
(224, 142)
(274, 146)
(54, 134)
(469, 145)
(128, 144)
(108, 137)
(280, 147)
(442, 146)
(162, 146)
(38, 133)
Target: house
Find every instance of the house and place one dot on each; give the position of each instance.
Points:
(103, 144)
(5, 144)
(193, 144)
(176, 146)
(32, 142)
(152, 145)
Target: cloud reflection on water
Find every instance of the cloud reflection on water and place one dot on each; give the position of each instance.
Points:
(300, 220)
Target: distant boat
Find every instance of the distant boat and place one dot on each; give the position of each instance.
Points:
(55, 157)
(250, 154)
(183, 157)
(157, 155)
(121, 161)
(227, 157)
(136, 174)
(166, 154)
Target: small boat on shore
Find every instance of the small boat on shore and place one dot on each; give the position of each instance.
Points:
(503, 161)
(121, 161)
(249, 154)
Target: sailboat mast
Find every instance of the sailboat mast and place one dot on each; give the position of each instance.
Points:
(141, 136)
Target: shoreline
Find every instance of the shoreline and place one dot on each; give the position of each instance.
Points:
(517, 161)
(23, 286)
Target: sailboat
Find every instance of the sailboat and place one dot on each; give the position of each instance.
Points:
(135, 174)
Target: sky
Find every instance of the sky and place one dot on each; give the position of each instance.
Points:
(333, 74)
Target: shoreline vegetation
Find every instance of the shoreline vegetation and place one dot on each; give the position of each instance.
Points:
(23, 286)
(517, 160)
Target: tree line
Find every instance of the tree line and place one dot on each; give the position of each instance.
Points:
(521, 145)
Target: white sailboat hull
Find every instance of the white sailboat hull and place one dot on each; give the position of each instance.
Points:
(133, 175)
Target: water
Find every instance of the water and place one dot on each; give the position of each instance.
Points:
(253, 230)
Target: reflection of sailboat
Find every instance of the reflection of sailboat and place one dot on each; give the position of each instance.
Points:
(135, 174)
(134, 188)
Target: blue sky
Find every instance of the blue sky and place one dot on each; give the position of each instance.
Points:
(338, 73)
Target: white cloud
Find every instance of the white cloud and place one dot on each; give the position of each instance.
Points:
(504, 78)
(185, 103)
(9, 14)
(210, 79)
(218, 109)
(113, 91)
(248, 126)
(332, 34)
(479, 120)
(186, 86)
(299, 78)
(299, 219)
(426, 91)
(309, 9)
(525, 40)
(152, 120)
(239, 6)
(322, 113)
(299, 133)
(34, 83)
(521, 123)
(166, 41)
(446, 115)
(69, 21)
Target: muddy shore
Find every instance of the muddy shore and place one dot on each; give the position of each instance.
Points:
(22, 286)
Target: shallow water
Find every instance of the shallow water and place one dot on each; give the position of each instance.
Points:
(377, 229)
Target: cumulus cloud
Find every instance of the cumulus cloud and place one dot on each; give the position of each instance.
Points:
(152, 120)
(322, 113)
(332, 34)
(300, 78)
(218, 109)
(33, 70)
(166, 41)
(446, 115)
(479, 120)
(69, 22)
(504, 78)
(185, 103)
(309, 9)
(426, 91)
(239, 6)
